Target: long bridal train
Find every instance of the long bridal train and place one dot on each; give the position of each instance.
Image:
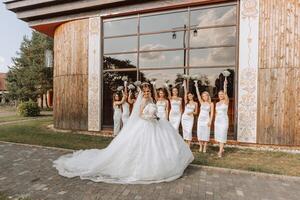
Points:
(145, 151)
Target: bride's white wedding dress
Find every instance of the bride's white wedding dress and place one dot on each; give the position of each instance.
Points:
(145, 151)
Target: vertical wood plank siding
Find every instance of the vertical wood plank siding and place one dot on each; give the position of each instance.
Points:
(279, 73)
(71, 75)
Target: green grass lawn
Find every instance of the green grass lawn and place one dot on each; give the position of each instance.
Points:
(36, 132)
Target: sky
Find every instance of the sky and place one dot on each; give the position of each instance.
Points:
(11, 34)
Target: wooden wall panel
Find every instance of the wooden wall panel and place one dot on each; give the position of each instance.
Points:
(279, 70)
(71, 75)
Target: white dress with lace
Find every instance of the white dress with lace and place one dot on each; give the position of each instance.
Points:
(145, 151)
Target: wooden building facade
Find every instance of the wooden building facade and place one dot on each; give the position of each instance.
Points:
(95, 41)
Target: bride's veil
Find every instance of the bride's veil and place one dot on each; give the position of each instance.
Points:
(135, 114)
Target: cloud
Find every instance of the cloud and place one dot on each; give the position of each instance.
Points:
(152, 55)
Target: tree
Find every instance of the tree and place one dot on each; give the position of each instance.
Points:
(28, 78)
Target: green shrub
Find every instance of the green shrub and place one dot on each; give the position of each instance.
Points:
(28, 109)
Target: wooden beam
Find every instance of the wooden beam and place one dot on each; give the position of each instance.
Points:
(61, 9)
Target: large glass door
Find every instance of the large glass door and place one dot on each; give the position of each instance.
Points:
(165, 45)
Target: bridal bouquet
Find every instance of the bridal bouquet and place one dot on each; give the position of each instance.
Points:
(150, 112)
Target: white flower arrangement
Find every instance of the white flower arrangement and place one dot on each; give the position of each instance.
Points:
(131, 87)
(152, 80)
(185, 76)
(124, 78)
(137, 83)
(226, 73)
(120, 88)
(195, 77)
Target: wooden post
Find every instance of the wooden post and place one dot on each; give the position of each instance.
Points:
(94, 77)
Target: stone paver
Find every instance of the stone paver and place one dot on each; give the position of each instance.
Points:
(27, 171)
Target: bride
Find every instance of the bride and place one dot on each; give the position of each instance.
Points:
(147, 150)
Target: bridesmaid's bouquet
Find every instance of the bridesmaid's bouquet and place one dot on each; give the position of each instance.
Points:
(131, 87)
(115, 78)
(226, 73)
(152, 81)
(125, 78)
(195, 78)
(186, 77)
(137, 83)
(120, 88)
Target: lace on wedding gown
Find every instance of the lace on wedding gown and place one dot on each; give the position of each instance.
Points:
(144, 152)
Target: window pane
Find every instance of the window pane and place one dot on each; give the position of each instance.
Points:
(213, 36)
(213, 16)
(162, 59)
(172, 75)
(163, 22)
(212, 81)
(122, 44)
(163, 41)
(111, 81)
(120, 27)
(120, 61)
(212, 57)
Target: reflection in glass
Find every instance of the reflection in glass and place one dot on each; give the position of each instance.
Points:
(163, 22)
(163, 41)
(213, 36)
(162, 59)
(173, 76)
(120, 27)
(121, 44)
(212, 81)
(111, 81)
(213, 16)
(120, 61)
(212, 57)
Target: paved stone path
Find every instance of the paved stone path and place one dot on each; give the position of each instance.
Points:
(28, 171)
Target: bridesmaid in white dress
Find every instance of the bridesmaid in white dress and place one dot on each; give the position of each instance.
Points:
(221, 121)
(187, 120)
(125, 106)
(204, 119)
(162, 103)
(176, 108)
(117, 105)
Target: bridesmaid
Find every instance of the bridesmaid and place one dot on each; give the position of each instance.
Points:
(125, 105)
(204, 119)
(176, 107)
(117, 103)
(132, 97)
(162, 103)
(187, 120)
(221, 121)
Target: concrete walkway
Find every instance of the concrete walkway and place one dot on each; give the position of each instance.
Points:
(27, 171)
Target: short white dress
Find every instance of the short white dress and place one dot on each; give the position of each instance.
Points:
(175, 113)
(161, 109)
(125, 113)
(117, 119)
(187, 121)
(203, 130)
(221, 123)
